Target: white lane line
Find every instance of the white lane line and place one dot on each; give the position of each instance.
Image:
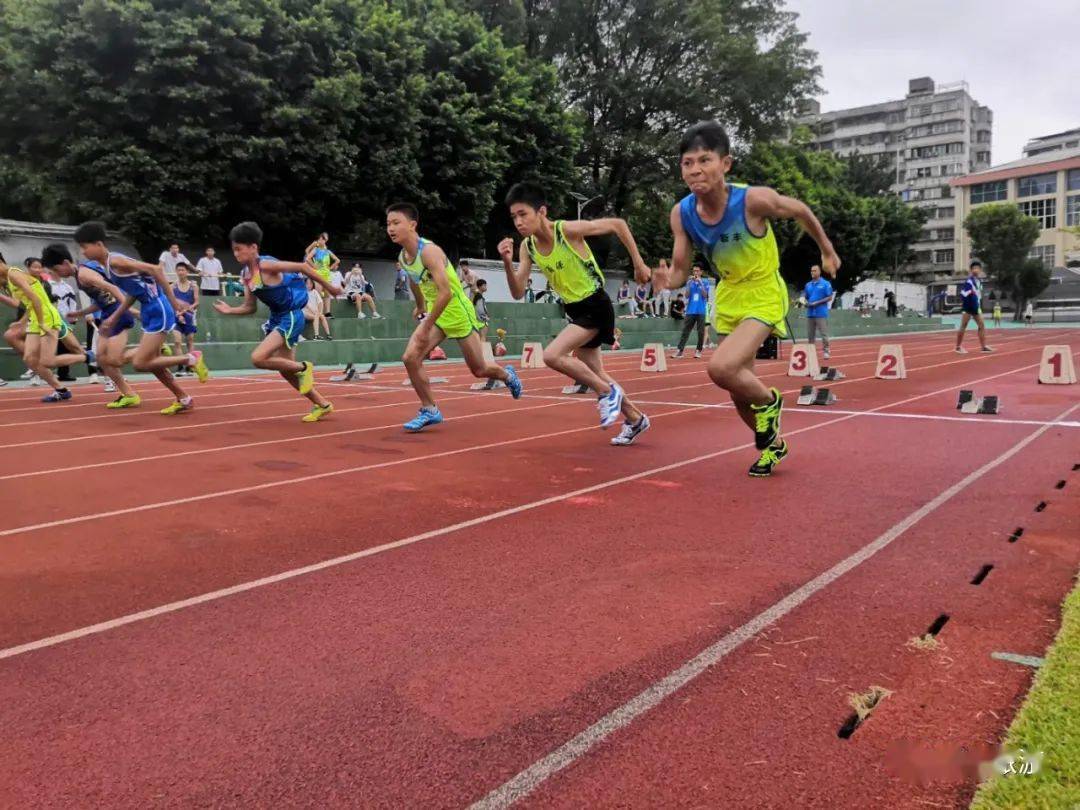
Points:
(171, 607)
(532, 777)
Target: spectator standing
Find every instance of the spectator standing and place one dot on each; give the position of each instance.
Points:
(468, 278)
(209, 271)
(170, 258)
(186, 324)
(530, 294)
(480, 305)
(663, 298)
(319, 255)
(697, 294)
(1029, 314)
(401, 283)
(891, 310)
(819, 297)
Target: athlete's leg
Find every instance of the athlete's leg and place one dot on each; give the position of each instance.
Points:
(963, 325)
(732, 368)
(32, 351)
(472, 347)
(981, 328)
(49, 357)
(112, 355)
(268, 355)
(559, 355)
(594, 359)
(287, 355)
(420, 347)
(148, 358)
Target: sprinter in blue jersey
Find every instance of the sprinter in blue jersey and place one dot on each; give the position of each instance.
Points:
(971, 302)
(280, 285)
(105, 297)
(146, 284)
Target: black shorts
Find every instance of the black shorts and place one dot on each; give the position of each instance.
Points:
(595, 312)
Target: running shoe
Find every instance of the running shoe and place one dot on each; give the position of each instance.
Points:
(513, 382)
(610, 406)
(57, 396)
(94, 379)
(961, 350)
(631, 431)
(677, 355)
(36, 381)
(825, 354)
(166, 349)
(318, 412)
(110, 386)
(423, 418)
(360, 316)
(306, 379)
(767, 421)
(184, 404)
(199, 366)
(770, 457)
(3, 382)
(987, 349)
(125, 402)
(697, 355)
(26, 375)
(376, 316)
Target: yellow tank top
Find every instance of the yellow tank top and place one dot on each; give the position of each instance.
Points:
(422, 277)
(35, 284)
(573, 277)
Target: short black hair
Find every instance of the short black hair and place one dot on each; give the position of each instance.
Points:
(55, 254)
(406, 208)
(707, 135)
(31, 259)
(481, 282)
(529, 194)
(974, 263)
(90, 232)
(246, 233)
(185, 265)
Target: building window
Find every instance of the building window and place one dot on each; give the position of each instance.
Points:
(982, 157)
(989, 192)
(1037, 184)
(982, 136)
(1072, 182)
(1044, 253)
(1043, 210)
(944, 256)
(1072, 210)
(954, 149)
(921, 111)
(945, 213)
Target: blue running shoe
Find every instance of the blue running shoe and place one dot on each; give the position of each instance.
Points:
(610, 406)
(513, 382)
(57, 396)
(424, 417)
(91, 358)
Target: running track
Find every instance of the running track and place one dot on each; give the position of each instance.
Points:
(231, 608)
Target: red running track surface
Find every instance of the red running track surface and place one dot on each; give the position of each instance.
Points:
(234, 608)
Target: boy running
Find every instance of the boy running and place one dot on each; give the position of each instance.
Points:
(728, 223)
(971, 303)
(558, 249)
(105, 298)
(146, 284)
(280, 285)
(44, 329)
(437, 291)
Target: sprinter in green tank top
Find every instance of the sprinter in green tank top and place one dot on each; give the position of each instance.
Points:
(446, 313)
(557, 248)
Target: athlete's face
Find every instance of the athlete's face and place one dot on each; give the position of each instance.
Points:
(94, 251)
(399, 227)
(245, 254)
(526, 218)
(65, 269)
(703, 170)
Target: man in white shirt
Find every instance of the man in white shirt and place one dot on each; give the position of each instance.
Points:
(209, 272)
(170, 258)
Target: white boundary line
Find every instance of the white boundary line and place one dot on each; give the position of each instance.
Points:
(536, 774)
(211, 596)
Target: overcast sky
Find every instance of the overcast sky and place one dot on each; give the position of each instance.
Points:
(1019, 58)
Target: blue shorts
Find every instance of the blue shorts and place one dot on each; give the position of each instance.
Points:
(289, 324)
(971, 309)
(157, 316)
(186, 324)
(126, 321)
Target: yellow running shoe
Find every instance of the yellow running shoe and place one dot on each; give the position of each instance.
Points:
(318, 412)
(306, 378)
(199, 367)
(166, 349)
(125, 402)
(180, 405)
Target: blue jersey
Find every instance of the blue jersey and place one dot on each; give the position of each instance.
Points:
(188, 318)
(291, 294)
(697, 297)
(971, 293)
(104, 301)
(734, 253)
(818, 291)
(143, 289)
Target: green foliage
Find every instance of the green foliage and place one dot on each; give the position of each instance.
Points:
(176, 118)
(1002, 238)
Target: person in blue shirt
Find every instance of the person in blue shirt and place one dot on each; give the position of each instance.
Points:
(819, 296)
(971, 304)
(281, 286)
(697, 302)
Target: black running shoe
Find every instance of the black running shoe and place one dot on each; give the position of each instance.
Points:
(767, 421)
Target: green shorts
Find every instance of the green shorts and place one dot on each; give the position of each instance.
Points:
(324, 272)
(459, 319)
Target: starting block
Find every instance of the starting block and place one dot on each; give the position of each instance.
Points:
(489, 354)
(969, 403)
(1056, 367)
(815, 396)
(653, 358)
(890, 362)
(487, 385)
(532, 355)
(804, 361)
(576, 388)
(830, 373)
(352, 373)
(432, 380)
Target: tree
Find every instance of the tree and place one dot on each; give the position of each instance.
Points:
(1002, 238)
(174, 119)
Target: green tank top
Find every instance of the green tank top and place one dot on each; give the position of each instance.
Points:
(574, 278)
(422, 278)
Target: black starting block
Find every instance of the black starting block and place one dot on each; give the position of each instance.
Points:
(809, 395)
(770, 349)
(969, 403)
(489, 384)
(352, 373)
(829, 373)
(576, 388)
(966, 396)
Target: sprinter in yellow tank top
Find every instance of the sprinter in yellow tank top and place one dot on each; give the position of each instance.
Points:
(446, 313)
(557, 248)
(728, 223)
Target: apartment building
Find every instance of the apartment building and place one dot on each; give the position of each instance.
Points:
(1070, 139)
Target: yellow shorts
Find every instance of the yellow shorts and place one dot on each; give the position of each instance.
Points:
(459, 319)
(324, 272)
(759, 301)
(53, 321)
